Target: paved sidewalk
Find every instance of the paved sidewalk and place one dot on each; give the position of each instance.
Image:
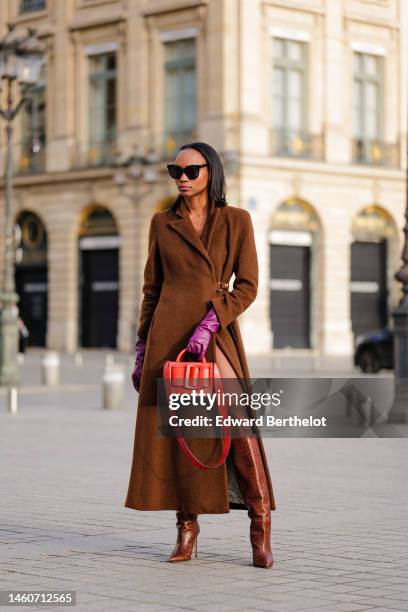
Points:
(339, 531)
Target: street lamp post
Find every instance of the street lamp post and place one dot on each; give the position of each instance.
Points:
(399, 409)
(141, 172)
(20, 62)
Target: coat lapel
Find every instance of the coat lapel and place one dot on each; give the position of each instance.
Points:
(183, 225)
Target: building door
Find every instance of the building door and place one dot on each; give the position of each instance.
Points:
(99, 297)
(368, 286)
(31, 274)
(98, 278)
(290, 295)
(31, 286)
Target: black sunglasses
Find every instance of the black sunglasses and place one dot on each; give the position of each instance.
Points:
(191, 172)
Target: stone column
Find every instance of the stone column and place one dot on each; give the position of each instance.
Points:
(131, 264)
(217, 75)
(62, 326)
(251, 54)
(337, 85)
(62, 95)
(337, 333)
(255, 324)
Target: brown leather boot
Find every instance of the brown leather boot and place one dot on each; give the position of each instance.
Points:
(253, 485)
(188, 530)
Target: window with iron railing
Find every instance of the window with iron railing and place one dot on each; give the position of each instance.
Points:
(368, 144)
(180, 96)
(33, 128)
(102, 109)
(26, 6)
(290, 135)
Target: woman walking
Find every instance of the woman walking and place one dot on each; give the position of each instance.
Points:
(194, 248)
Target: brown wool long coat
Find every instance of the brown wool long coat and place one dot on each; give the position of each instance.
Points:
(181, 279)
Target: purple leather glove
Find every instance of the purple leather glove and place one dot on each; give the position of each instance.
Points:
(140, 348)
(199, 341)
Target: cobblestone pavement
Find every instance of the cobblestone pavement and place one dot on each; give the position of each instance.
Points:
(339, 531)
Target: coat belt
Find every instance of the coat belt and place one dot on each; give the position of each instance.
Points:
(222, 287)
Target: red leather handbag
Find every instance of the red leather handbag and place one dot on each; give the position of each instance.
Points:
(184, 376)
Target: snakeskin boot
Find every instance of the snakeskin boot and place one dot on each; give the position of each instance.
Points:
(188, 530)
(253, 485)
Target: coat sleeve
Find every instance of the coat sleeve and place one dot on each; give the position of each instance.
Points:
(153, 277)
(230, 305)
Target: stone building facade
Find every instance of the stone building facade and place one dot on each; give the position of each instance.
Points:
(306, 101)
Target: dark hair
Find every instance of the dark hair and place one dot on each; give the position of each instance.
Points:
(216, 179)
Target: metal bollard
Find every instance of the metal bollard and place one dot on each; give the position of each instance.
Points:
(365, 411)
(50, 368)
(113, 387)
(12, 400)
(109, 360)
(78, 360)
(369, 410)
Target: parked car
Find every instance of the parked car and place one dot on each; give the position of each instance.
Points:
(374, 350)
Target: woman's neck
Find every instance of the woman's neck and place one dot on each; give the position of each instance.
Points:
(197, 204)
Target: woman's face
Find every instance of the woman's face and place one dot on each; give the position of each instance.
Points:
(186, 186)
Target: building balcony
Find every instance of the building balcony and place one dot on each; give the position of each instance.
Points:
(28, 6)
(32, 158)
(174, 140)
(285, 142)
(375, 152)
(95, 154)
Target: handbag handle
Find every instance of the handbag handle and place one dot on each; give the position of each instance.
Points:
(222, 411)
(226, 443)
(183, 352)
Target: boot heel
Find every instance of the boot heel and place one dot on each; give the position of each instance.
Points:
(196, 544)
